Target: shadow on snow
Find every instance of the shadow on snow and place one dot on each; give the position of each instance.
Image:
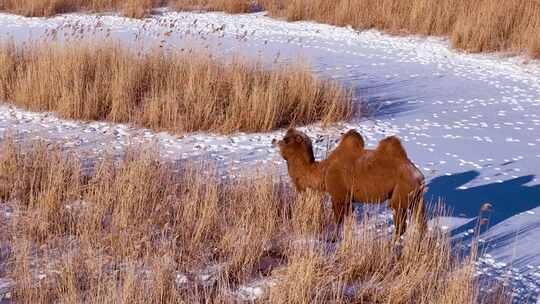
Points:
(508, 198)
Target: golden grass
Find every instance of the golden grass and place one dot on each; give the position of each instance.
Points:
(123, 232)
(229, 6)
(40, 8)
(472, 25)
(32, 8)
(176, 92)
(130, 8)
(477, 26)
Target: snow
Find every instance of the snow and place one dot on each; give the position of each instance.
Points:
(254, 290)
(6, 286)
(470, 122)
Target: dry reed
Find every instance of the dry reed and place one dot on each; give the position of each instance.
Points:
(229, 6)
(130, 8)
(141, 231)
(477, 26)
(40, 8)
(176, 92)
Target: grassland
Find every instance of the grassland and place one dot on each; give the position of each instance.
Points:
(130, 8)
(476, 26)
(142, 231)
(39, 8)
(174, 92)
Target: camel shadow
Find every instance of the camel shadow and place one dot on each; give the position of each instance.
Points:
(508, 198)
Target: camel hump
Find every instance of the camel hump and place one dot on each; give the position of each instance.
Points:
(392, 147)
(353, 140)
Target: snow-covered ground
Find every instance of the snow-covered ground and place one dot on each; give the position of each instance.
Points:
(470, 122)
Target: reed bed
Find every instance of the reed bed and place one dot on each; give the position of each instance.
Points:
(46, 8)
(129, 8)
(476, 26)
(181, 92)
(142, 231)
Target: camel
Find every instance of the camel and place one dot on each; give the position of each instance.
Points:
(353, 173)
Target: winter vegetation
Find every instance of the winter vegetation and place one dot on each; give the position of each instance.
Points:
(476, 26)
(137, 230)
(130, 8)
(180, 92)
(137, 161)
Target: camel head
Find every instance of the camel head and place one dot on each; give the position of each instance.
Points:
(295, 146)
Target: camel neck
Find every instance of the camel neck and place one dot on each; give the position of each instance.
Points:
(306, 174)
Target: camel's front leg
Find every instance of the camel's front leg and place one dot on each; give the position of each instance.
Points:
(341, 207)
(340, 210)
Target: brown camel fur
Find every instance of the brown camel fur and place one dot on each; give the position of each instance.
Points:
(353, 173)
